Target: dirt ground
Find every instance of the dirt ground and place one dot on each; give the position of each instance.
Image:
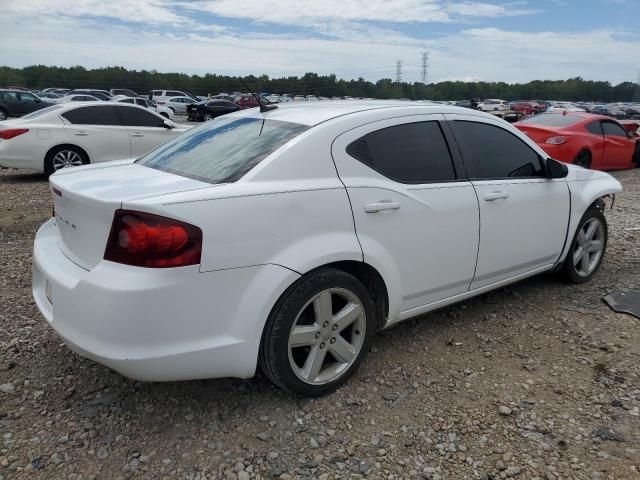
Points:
(539, 380)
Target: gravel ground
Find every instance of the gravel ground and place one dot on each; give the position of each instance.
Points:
(536, 381)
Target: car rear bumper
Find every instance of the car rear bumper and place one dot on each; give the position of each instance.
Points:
(156, 324)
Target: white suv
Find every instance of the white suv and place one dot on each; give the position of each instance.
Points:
(494, 105)
(161, 97)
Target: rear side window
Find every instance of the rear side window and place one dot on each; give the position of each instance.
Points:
(171, 93)
(222, 150)
(137, 117)
(495, 152)
(594, 127)
(93, 115)
(613, 129)
(408, 153)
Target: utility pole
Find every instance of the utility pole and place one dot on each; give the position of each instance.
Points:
(398, 71)
(636, 93)
(425, 66)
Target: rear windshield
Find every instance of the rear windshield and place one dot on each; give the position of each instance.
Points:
(222, 150)
(42, 111)
(552, 120)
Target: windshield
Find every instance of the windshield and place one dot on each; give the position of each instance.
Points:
(222, 150)
(552, 120)
(41, 112)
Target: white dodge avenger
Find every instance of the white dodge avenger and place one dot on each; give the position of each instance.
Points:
(285, 239)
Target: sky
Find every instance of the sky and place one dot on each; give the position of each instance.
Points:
(470, 40)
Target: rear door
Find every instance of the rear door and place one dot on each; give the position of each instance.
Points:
(146, 130)
(415, 218)
(98, 130)
(13, 103)
(523, 214)
(618, 148)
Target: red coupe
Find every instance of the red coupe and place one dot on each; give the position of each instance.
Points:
(585, 139)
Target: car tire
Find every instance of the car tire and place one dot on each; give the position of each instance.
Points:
(583, 159)
(207, 116)
(69, 154)
(337, 336)
(636, 154)
(3, 114)
(581, 266)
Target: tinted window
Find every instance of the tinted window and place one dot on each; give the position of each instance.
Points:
(222, 150)
(137, 117)
(93, 115)
(28, 97)
(127, 100)
(171, 93)
(495, 152)
(157, 92)
(12, 96)
(614, 129)
(552, 120)
(43, 111)
(594, 127)
(142, 102)
(409, 153)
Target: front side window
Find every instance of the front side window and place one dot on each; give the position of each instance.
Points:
(27, 97)
(407, 153)
(222, 150)
(613, 130)
(93, 115)
(495, 152)
(137, 117)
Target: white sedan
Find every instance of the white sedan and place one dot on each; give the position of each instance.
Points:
(73, 134)
(565, 107)
(494, 105)
(284, 239)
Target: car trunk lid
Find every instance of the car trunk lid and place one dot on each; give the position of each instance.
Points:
(85, 200)
(538, 134)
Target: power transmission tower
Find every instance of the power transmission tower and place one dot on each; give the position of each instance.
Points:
(398, 71)
(425, 67)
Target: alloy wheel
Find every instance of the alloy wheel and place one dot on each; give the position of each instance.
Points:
(589, 246)
(207, 117)
(66, 159)
(327, 336)
(3, 114)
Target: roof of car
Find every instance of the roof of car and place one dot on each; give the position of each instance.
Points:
(583, 115)
(313, 113)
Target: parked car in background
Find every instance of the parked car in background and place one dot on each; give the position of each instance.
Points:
(299, 98)
(160, 97)
(632, 111)
(123, 91)
(493, 105)
(284, 240)
(73, 134)
(584, 139)
(15, 103)
(286, 97)
(526, 108)
(609, 110)
(77, 97)
(565, 107)
(99, 94)
(311, 98)
(246, 101)
(210, 109)
(273, 98)
(48, 96)
(143, 102)
(179, 104)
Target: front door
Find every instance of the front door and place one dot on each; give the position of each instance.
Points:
(618, 148)
(146, 130)
(523, 214)
(416, 220)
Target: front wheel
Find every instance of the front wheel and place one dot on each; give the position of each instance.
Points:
(588, 247)
(3, 114)
(318, 333)
(207, 117)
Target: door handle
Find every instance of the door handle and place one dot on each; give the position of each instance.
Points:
(490, 197)
(380, 206)
(80, 133)
(137, 134)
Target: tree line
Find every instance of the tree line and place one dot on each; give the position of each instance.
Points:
(576, 89)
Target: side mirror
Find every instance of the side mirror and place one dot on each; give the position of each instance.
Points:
(556, 169)
(168, 125)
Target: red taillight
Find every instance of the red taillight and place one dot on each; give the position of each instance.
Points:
(148, 240)
(12, 133)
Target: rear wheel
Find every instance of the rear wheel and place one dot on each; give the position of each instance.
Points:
(207, 117)
(583, 159)
(588, 247)
(318, 333)
(3, 114)
(64, 157)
